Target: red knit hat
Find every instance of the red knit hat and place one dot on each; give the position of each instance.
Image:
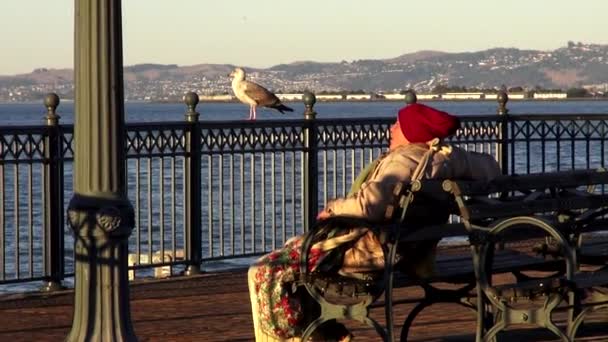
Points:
(421, 123)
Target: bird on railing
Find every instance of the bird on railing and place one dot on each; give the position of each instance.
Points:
(254, 94)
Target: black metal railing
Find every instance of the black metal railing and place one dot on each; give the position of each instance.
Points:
(205, 191)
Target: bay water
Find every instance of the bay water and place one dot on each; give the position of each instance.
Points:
(136, 112)
(33, 113)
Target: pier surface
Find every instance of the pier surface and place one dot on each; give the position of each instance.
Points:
(215, 307)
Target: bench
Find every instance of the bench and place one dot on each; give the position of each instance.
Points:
(560, 205)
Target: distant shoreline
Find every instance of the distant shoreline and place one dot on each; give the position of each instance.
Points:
(402, 100)
(343, 101)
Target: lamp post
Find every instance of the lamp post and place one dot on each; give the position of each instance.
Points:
(99, 212)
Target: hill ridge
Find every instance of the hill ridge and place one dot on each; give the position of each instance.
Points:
(574, 65)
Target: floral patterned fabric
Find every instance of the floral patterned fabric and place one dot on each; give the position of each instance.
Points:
(280, 311)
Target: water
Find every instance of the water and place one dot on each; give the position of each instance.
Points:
(33, 113)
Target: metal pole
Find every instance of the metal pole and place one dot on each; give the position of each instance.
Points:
(503, 131)
(192, 182)
(53, 197)
(311, 183)
(100, 213)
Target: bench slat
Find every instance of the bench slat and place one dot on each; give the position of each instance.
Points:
(516, 207)
(458, 268)
(586, 280)
(558, 179)
(434, 232)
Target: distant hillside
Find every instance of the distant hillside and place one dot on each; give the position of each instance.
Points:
(416, 56)
(39, 76)
(574, 65)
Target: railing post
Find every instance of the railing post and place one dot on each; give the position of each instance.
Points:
(192, 186)
(410, 97)
(311, 169)
(503, 131)
(53, 198)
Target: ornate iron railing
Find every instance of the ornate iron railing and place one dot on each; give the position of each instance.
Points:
(205, 191)
(559, 141)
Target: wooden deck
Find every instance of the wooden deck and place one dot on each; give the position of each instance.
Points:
(215, 307)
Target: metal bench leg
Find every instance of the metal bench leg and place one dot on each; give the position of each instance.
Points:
(551, 303)
(313, 326)
(481, 315)
(482, 308)
(541, 317)
(574, 311)
(576, 323)
(358, 312)
(491, 335)
(389, 261)
(410, 318)
(554, 329)
(434, 295)
(379, 329)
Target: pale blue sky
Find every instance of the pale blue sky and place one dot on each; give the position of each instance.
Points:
(262, 33)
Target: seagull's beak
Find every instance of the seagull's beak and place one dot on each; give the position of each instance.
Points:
(231, 74)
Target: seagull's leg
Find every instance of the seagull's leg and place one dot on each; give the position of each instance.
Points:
(250, 112)
(254, 113)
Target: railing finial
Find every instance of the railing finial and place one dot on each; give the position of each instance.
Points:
(51, 102)
(191, 100)
(502, 99)
(309, 99)
(410, 97)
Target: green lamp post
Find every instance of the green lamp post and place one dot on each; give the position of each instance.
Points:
(99, 212)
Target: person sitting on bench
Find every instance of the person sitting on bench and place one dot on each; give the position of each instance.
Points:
(416, 151)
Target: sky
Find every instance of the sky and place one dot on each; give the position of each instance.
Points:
(263, 33)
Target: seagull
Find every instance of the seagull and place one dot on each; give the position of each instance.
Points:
(254, 94)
